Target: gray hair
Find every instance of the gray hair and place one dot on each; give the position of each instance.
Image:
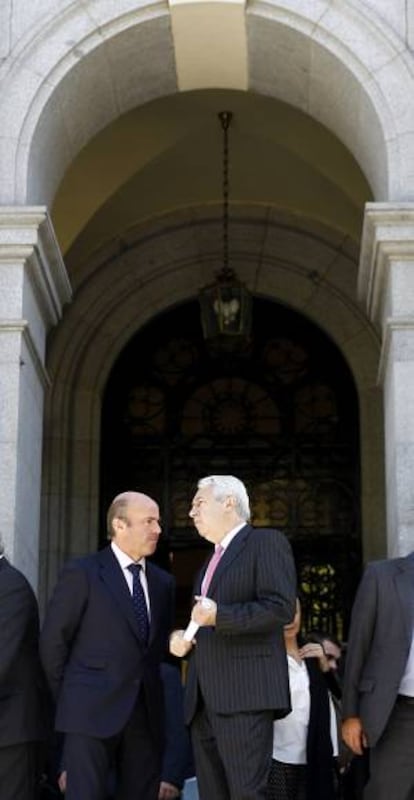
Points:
(229, 486)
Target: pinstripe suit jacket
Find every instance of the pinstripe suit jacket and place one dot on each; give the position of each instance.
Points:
(240, 664)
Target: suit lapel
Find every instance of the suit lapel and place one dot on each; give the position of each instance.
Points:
(111, 575)
(231, 552)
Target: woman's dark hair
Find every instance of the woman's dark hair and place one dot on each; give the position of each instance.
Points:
(319, 637)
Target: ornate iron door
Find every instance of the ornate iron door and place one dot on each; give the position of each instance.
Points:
(282, 415)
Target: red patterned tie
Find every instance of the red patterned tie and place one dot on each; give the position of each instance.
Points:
(212, 564)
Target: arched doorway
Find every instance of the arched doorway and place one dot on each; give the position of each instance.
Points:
(283, 416)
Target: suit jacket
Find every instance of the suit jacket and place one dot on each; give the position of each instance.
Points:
(240, 664)
(177, 763)
(379, 643)
(319, 751)
(22, 685)
(92, 655)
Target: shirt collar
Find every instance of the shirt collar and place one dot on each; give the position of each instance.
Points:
(230, 535)
(124, 559)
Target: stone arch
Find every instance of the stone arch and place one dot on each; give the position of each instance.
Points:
(344, 53)
(107, 311)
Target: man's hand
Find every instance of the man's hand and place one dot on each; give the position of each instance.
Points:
(202, 613)
(178, 646)
(168, 791)
(353, 735)
(62, 781)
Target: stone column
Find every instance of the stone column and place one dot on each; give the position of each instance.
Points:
(33, 289)
(386, 286)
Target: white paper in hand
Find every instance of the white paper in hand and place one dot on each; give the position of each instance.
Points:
(193, 627)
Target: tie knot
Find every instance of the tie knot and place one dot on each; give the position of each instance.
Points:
(135, 569)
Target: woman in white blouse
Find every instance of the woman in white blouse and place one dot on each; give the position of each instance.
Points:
(305, 742)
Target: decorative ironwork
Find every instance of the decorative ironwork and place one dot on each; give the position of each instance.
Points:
(145, 411)
(283, 417)
(284, 360)
(230, 407)
(321, 599)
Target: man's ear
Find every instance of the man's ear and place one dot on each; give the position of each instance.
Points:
(118, 525)
(230, 503)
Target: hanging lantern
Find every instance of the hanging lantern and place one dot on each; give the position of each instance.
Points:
(226, 304)
(226, 309)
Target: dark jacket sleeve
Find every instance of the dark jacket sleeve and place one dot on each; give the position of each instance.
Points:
(17, 609)
(320, 764)
(177, 759)
(364, 614)
(63, 617)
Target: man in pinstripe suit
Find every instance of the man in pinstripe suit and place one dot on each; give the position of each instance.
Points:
(237, 681)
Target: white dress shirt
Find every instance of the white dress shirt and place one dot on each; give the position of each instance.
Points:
(290, 733)
(124, 561)
(231, 534)
(407, 681)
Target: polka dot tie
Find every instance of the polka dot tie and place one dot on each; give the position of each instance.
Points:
(139, 602)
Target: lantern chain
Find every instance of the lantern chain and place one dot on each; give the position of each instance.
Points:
(225, 119)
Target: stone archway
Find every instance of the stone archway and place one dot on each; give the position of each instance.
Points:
(347, 55)
(104, 316)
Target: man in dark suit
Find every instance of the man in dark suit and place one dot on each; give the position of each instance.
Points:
(378, 696)
(22, 687)
(105, 635)
(237, 681)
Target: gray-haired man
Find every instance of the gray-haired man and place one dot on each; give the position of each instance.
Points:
(237, 678)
